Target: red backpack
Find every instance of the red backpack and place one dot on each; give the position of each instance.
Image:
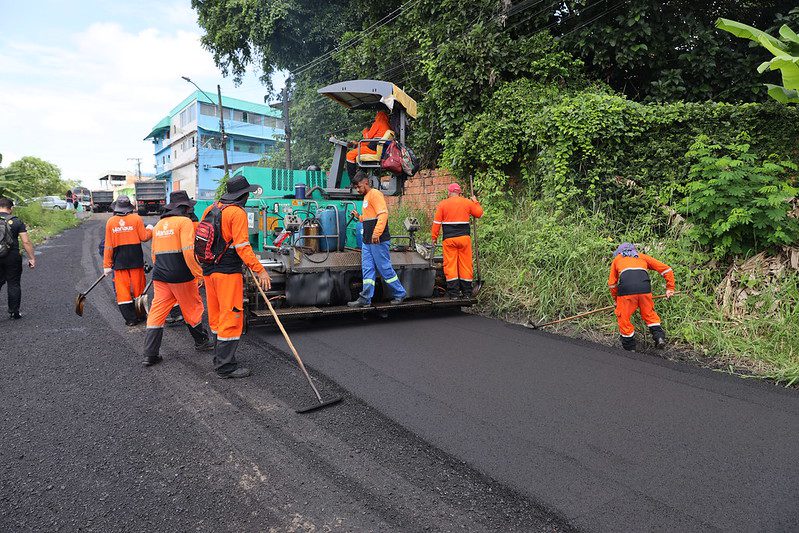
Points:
(209, 246)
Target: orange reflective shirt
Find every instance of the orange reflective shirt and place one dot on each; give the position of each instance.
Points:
(454, 215)
(235, 230)
(628, 275)
(173, 250)
(375, 217)
(123, 237)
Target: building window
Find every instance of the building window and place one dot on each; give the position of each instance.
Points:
(211, 142)
(193, 141)
(239, 116)
(269, 122)
(247, 146)
(254, 118)
(208, 110)
(278, 123)
(188, 115)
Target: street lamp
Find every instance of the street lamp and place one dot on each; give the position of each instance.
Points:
(221, 119)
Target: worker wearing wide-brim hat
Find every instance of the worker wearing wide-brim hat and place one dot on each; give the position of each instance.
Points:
(631, 289)
(177, 278)
(452, 218)
(123, 255)
(224, 284)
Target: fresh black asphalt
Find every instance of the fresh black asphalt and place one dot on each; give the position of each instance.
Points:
(92, 441)
(450, 422)
(613, 441)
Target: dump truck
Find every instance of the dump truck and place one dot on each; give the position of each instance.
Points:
(102, 201)
(302, 232)
(150, 197)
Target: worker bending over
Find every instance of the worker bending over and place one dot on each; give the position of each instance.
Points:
(224, 284)
(631, 289)
(124, 233)
(454, 215)
(376, 131)
(375, 256)
(177, 278)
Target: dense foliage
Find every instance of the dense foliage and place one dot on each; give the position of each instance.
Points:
(29, 177)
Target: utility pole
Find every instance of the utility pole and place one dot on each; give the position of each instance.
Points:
(286, 123)
(138, 166)
(222, 128)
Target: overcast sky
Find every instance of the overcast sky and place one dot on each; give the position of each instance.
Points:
(82, 82)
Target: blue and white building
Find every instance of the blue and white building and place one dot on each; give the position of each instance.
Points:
(188, 143)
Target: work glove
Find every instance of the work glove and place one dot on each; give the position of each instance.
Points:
(147, 268)
(149, 227)
(107, 271)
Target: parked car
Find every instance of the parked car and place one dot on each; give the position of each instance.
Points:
(51, 202)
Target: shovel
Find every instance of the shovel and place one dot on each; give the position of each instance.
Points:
(142, 303)
(81, 299)
(322, 404)
(478, 280)
(532, 325)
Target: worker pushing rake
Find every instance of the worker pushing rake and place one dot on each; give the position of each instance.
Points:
(631, 290)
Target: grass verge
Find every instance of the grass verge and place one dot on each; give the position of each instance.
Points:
(43, 223)
(540, 266)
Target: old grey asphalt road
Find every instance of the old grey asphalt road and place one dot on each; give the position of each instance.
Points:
(92, 441)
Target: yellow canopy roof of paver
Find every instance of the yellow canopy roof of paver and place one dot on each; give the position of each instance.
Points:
(369, 94)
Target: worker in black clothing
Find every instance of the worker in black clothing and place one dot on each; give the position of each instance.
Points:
(11, 261)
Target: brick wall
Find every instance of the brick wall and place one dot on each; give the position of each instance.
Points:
(424, 190)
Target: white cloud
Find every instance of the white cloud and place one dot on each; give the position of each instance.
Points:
(86, 105)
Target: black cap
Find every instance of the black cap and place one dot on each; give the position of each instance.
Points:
(237, 186)
(177, 199)
(122, 205)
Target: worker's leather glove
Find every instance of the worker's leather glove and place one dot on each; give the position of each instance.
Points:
(200, 282)
(147, 268)
(149, 227)
(107, 271)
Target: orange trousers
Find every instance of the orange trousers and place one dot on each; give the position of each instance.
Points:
(352, 155)
(458, 258)
(225, 295)
(627, 305)
(186, 295)
(129, 284)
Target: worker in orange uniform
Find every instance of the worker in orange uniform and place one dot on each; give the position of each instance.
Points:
(224, 284)
(631, 289)
(376, 131)
(177, 278)
(375, 256)
(124, 233)
(453, 215)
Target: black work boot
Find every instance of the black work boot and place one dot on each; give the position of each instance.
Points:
(152, 346)
(466, 288)
(151, 360)
(128, 312)
(658, 335)
(352, 169)
(202, 342)
(453, 289)
(225, 363)
(360, 302)
(628, 343)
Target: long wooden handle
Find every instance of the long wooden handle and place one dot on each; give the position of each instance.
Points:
(601, 309)
(285, 335)
(474, 231)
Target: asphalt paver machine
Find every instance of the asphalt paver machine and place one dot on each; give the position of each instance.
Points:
(302, 232)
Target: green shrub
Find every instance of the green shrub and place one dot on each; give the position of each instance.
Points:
(737, 202)
(42, 223)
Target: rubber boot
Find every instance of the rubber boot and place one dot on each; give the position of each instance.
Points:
(466, 288)
(659, 336)
(453, 289)
(225, 364)
(202, 342)
(352, 169)
(628, 343)
(128, 311)
(152, 346)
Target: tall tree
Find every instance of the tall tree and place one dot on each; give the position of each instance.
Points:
(29, 177)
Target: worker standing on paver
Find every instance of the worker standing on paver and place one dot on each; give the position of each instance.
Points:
(177, 278)
(375, 256)
(631, 289)
(453, 216)
(124, 233)
(224, 284)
